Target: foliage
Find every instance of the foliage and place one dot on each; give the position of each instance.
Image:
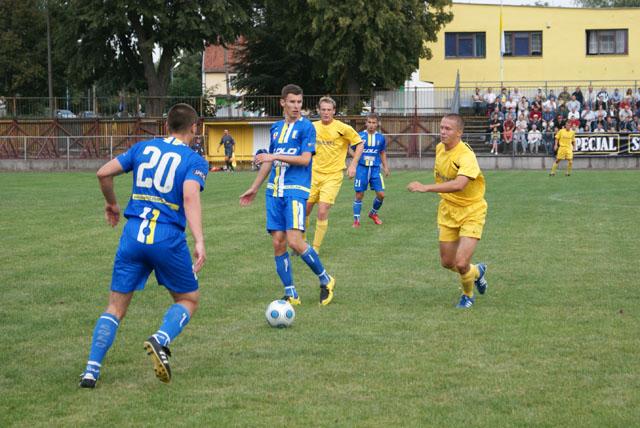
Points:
(332, 46)
(186, 77)
(609, 3)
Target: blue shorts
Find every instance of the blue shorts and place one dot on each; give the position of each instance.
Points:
(368, 176)
(285, 213)
(169, 259)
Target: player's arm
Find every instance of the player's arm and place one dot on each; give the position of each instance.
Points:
(385, 165)
(193, 212)
(301, 160)
(456, 185)
(247, 197)
(105, 178)
(555, 145)
(351, 171)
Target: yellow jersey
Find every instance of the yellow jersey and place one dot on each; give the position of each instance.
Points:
(459, 161)
(332, 143)
(565, 138)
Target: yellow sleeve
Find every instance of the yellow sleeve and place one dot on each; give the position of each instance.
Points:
(469, 166)
(351, 135)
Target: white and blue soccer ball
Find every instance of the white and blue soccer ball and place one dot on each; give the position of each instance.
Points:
(280, 314)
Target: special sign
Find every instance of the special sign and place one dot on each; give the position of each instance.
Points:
(634, 143)
(598, 143)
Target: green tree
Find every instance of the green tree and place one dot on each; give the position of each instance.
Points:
(117, 39)
(332, 46)
(609, 3)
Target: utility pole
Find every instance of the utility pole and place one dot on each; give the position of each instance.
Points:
(49, 67)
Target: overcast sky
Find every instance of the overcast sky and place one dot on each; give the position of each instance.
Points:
(561, 3)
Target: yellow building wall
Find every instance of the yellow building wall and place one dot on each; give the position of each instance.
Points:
(217, 83)
(564, 40)
(242, 133)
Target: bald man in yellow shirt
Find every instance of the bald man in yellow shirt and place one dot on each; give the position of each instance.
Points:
(565, 146)
(333, 139)
(462, 209)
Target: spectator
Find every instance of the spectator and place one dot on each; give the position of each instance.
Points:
(504, 96)
(616, 97)
(625, 125)
(540, 93)
(551, 103)
(495, 141)
(611, 124)
(635, 124)
(490, 99)
(535, 115)
(515, 95)
(625, 114)
(590, 97)
(548, 139)
(197, 145)
(478, 103)
(509, 126)
(523, 106)
(588, 118)
(574, 103)
(563, 110)
(520, 134)
(601, 113)
(534, 137)
(511, 114)
(560, 121)
(574, 118)
(495, 123)
(537, 101)
(613, 112)
(600, 127)
(636, 99)
(627, 100)
(496, 110)
(564, 96)
(510, 104)
(579, 96)
(547, 114)
(603, 95)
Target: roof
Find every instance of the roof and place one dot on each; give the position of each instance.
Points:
(214, 58)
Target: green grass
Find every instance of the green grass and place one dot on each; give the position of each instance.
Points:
(553, 343)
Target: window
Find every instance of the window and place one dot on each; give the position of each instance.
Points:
(607, 42)
(464, 45)
(522, 43)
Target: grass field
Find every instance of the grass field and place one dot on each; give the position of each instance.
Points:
(554, 342)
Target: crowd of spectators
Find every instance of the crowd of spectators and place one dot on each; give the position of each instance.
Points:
(520, 124)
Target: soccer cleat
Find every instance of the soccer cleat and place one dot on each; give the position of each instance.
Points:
(552, 175)
(160, 356)
(465, 302)
(375, 218)
(356, 224)
(87, 380)
(326, 292)
(481, 283)
(292, 300)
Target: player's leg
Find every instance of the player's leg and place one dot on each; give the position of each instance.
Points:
(322, 224)
(283, 265)
(554, 167)
(359, 186)
(357, 208)
(569, 165)
(104, 333)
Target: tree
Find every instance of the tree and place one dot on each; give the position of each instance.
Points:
(609, 3)
(118, 38)
(332, 46)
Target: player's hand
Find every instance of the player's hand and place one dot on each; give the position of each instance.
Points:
(199, 256)
(264, 157)
(416, 186)
(247, 197)
(351, 171)
(386, 172)
(112, 214)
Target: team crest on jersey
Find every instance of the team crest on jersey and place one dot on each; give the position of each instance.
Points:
(275, 136)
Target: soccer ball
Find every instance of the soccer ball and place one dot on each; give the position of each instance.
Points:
(280, 314)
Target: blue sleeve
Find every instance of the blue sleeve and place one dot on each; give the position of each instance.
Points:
(363, 137)
(308, 143)
(383, 143)
(126, 158)
(271, 131)
(197, 170)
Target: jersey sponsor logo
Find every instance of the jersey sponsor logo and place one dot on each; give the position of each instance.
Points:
(200, 174)
(326, 143)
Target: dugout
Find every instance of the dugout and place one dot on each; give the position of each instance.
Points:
(249, 137)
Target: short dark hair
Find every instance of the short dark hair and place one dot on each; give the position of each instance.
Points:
(456, 118)
(180, 118)
(373, 116)
(290, 89)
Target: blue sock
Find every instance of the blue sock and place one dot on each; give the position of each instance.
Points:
(175, 319)
(357, 208)
(377, 203)
(103, 335)
(283, 267)
(312, 260)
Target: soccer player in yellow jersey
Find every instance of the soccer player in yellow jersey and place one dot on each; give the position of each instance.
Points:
(333, 139)
(564, 146)
(462, 209)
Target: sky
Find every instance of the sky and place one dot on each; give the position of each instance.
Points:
(559, 3)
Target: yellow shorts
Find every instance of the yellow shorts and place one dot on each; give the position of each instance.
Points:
(564, 153)
(325, 187)
(455, 221)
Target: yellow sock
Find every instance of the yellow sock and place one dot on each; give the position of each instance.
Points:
(467, 280)
(569, 166)
(476, 272)
(554, 167)
(321, 229)
(453, 269)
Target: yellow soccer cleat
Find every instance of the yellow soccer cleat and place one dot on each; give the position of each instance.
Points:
(326, 292)
(292, 300)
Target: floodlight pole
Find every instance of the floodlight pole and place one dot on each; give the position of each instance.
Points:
(49, 67)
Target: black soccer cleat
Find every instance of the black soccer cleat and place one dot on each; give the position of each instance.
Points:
(87, 381)
(160, 356)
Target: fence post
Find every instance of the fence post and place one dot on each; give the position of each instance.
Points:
(111, 147)
(68, 158)
(420, 152)
(25, 146)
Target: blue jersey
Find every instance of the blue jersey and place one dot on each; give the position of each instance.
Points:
(160, 168)
(291, 139)
(373, 145)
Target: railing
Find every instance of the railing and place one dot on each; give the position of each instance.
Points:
(400, 145)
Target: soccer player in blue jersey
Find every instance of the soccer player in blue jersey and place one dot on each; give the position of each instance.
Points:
(368, 170)
(167, 180)
(288, 165)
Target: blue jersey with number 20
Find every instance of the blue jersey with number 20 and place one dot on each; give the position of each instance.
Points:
(160, 167)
